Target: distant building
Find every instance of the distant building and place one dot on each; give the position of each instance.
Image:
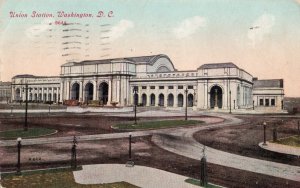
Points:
(157, 82)
(5, 92)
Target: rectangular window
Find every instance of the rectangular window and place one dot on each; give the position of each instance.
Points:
(261, 102)
(267, 102)
(171, 87)
(180, 87)
(152, 87)
(190, 87)
(272, 102)
(161, 87)
(144, 87)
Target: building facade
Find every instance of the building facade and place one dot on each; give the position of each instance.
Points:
(148, 81)
(5, 92)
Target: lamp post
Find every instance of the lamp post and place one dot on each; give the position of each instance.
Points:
(11, 110)
(265, 126)
(129, 154)
(186, 91)
(135, 101)
(230, 102)
(49, 109)
(203, 169)
(19, 145)
(74, 153)
(130, 162)
(26, 107)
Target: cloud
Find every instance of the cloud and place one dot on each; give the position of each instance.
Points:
(260, 28)
(32, 31)
(189, 26)
(120, 29)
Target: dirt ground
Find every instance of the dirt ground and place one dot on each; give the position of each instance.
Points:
(238, 139)
(144, 152)
(243, 140)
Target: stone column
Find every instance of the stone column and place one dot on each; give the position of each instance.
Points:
(109, 92)
(61, 92)
(95, 90)
(80, 92)
(52, 94)
(68, 90)
(42, 94)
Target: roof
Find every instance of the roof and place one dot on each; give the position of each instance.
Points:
(218, 65)
(24, 76)
(268, 83)
(137, 60)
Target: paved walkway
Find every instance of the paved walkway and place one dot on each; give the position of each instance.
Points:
(280, 148)
(140, 176)
(181, 141)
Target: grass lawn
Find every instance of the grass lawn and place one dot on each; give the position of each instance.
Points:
(290, 141)
(32, 132)
(157, 124)
(62, 178)
(197, 182)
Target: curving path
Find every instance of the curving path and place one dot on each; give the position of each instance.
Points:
(181, 141)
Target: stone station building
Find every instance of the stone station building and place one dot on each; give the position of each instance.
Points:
(155, 81)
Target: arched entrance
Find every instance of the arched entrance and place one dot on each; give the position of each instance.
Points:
(180, 100)
(40, 97)
(152, 99)
(190, 100)
(54, 97)
(18, 94)
(161, 100)
(216, 97)
(170, 99)
(103, 93)
(144, 99)
(75, 91)
(89, 91)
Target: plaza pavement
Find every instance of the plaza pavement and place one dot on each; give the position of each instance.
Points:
(140, 176)
(280, 148)
(184, 144)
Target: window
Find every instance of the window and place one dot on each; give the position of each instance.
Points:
(144, 87)
(267, 102)
(161, 87)
(135, 88)
(170, 87)
(261, 102)
(152, 87)
(272, 102)
(190, 87)
(180, 87)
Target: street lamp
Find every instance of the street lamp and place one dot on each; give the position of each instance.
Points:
(26, 107)
(19, 145)
(230, 102)
(130, 162)
(129, 147)
(265, 126)
(11, 110)
(49, 109)
(74, 153)
(186, 101)
(135, 101)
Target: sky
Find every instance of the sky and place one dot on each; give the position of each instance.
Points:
(260, 36)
